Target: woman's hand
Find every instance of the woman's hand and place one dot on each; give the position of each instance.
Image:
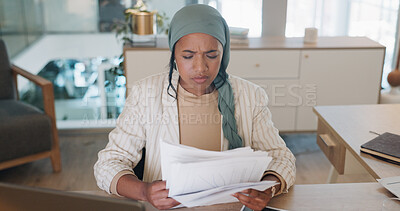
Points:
(157, 194)
(254, 199)
(257, 200)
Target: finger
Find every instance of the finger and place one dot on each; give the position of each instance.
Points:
(155, 187)
(252, 203)
(253, 193)
(159, 194)
(245, 191)
(243, 198)
(174, 202)
(261, 200)
(252, 206)
(166, 203)
(247, 202)
(259, 195)
(159, 185)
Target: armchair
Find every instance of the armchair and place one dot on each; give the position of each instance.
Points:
(26, 133)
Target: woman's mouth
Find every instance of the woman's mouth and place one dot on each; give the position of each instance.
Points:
(200, 79)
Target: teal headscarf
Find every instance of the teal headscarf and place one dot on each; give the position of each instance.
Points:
(201, 18)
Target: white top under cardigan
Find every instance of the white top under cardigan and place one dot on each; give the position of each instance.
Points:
(151, 114)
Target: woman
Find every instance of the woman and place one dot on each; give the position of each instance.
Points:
(190, 106)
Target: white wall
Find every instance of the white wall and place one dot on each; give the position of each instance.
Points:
(169, 7)
(71, 15)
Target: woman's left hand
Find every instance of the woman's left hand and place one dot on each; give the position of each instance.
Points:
(258, 200)
(254, 199)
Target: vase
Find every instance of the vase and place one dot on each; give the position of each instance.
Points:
(143, 29)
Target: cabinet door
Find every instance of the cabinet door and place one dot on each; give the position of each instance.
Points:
(337, 77)
(142, 63)
(277, 71)
(265, 64)
(283, 97)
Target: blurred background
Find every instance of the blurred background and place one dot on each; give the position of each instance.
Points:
(67, 41)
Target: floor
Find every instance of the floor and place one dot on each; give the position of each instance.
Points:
(79, 153)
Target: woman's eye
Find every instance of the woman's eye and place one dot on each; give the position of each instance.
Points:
(187, 57)
(212, 57)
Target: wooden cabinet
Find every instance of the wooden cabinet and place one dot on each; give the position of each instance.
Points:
(296, 76)
(142, 63)
(276, 71)
(264, 64)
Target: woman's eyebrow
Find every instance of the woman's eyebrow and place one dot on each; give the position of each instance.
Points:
(189, 51)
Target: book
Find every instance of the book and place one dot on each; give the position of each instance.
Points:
(239, 41)
(239, 36)
(386, 146)
(238, 31)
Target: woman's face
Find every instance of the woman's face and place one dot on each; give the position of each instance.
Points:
(198, 57)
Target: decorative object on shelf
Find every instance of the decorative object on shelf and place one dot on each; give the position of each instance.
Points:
(392, 95)
(394, 76)
(138, 29)
(310, 35)
(143, 22)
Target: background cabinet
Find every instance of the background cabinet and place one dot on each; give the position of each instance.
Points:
(296, 76)
(337, 77)
(264, 64)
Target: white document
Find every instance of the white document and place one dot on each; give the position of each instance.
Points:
(221, 194)
(392, 184)
(198, 177)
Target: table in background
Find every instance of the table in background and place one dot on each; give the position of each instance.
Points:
(343, 129)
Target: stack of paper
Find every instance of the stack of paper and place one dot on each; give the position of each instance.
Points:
(197, 177)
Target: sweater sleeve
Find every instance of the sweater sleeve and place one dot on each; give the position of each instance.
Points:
(266, 137)
(126, 141)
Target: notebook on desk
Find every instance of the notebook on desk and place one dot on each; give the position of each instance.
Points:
(20, 198)
(386, 146)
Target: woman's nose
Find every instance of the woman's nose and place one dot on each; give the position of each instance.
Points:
(199, 64)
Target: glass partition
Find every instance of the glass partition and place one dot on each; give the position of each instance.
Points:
(21, 23)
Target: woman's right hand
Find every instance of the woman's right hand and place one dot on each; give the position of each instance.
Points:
(157, 194)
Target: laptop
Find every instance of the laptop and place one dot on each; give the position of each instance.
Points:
(21, 198)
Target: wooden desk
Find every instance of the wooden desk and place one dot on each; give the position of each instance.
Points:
(349, 196)
(343, 129)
